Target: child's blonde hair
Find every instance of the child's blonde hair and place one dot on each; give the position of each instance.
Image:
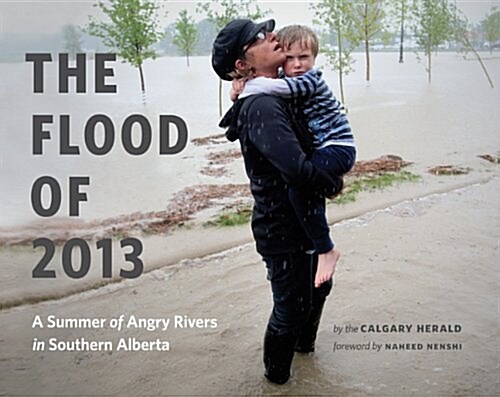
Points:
(303, 34)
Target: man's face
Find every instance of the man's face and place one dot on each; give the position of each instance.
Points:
(299, 59)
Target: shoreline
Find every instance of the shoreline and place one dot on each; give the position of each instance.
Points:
(211, 241)
(412, 263)
(188, 204)
(424, 252)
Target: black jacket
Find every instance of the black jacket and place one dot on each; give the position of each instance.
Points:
(275, 157)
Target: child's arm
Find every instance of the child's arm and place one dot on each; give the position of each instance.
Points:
(304, 86)
(288, 87)
(266, 85)
(237, 87)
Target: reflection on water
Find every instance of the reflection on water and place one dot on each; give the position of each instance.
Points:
(310, 376)
(397, 113)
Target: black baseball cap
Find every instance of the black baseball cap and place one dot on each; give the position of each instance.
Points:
(229, 43)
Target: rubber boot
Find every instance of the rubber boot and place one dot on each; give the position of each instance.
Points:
(307, 338)
(278, 355)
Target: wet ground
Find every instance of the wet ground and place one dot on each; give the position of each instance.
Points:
(424, 262)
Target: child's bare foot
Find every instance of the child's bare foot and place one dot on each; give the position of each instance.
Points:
(327, 263)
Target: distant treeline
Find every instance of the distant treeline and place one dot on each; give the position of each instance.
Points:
(14, 48)
(206, 31)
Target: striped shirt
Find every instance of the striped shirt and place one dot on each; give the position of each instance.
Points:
(324, 113)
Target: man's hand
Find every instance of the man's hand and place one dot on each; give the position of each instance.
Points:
(338, 188)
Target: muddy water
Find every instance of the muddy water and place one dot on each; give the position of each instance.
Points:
(427, 261)
(453, 119)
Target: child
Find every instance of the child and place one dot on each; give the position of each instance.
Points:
(333, 141)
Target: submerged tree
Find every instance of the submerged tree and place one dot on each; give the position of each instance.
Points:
(338, 16)
(224, 12)
(186, 34)
(73, 42)
(369, 16)
(401, 11)
(433, 26)
(439, 21)
(133, 29)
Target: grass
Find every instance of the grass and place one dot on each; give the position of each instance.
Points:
(377, 182)
(242, 216)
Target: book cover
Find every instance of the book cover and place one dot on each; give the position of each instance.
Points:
(128, 265)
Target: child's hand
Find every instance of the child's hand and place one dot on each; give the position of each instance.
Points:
(237, 88)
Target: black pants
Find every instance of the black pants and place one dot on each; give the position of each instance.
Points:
(294, 295)
(296, 310)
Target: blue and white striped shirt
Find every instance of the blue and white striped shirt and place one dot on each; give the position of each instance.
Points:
(324, 113)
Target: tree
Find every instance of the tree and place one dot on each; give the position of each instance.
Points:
(73, 42)
(133, 29)
(167, 42)
(462, 33)
(229, 10)
(186, 34)
(433, 26)
(369, 16)
(491, 27)
(400, 10)
(338, 16)
(207, 32)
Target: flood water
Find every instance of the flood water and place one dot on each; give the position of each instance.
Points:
(427, 262)
(398, 113)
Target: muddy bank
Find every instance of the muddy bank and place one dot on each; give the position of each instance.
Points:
(193, 240)
(424, 261)
(185, 205)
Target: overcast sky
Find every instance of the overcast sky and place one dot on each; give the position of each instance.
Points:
(48, 16)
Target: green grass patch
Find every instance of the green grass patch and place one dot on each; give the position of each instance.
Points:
(241, 216)
(376, 182)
